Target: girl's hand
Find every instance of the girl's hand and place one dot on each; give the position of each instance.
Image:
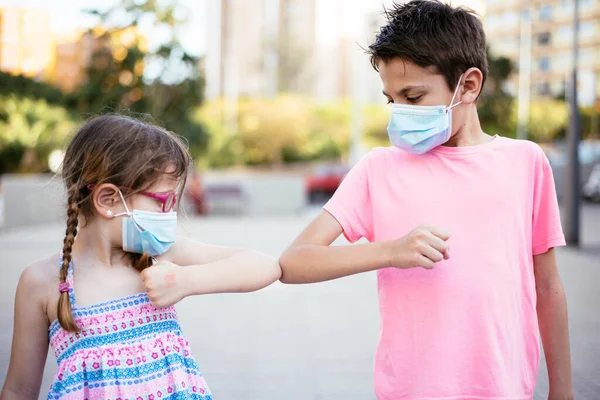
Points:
(164, 283)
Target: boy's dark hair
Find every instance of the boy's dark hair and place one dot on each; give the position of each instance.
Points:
(430, 33)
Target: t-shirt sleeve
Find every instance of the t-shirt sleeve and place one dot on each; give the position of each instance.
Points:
(351, 203)
(547, 230)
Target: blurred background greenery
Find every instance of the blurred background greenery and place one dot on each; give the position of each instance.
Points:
(37, 117)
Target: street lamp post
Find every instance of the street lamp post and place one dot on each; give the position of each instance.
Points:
(524, 76)
(572, 181)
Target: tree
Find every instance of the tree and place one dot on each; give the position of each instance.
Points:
(29, 131)
(28, 87)
(495, 105)
(118, 73)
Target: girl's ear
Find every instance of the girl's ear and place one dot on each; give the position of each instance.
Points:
(105, 198)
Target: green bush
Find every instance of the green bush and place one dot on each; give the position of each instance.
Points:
(11, 155)
(289, 129)
(27, 87)
(284, 129)
(548, 119)
(496, 114)
(223, 147)
(590, 122)
(375, 122)
(29, 131)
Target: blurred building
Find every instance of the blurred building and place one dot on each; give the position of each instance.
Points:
(25, 41)
(72, 55)
(551, 43)
(310, 47)
(259, 47)
(264, 47)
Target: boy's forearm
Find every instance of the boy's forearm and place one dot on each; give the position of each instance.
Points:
(245, 271)
(554, 330)
(308, 263)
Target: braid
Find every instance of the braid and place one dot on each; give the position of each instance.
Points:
(140, 261)
(65, 317)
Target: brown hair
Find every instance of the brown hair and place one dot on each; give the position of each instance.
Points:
(128, 153)
(431, 33)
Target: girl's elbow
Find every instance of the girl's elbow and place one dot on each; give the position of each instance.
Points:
(275, 271)
(268, 274)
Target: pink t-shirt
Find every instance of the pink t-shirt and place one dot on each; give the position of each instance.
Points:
(468, 328)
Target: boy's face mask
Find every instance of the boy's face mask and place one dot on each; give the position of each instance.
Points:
(147, 231)
(418, 129)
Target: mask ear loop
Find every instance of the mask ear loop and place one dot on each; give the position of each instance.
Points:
(128, 212)
(454, 95)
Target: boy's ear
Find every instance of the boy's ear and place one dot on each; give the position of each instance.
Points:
(471, 85)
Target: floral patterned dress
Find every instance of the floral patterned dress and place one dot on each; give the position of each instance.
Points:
(126, 349)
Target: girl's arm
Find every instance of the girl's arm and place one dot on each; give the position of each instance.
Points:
(30, 337)
(209, 269)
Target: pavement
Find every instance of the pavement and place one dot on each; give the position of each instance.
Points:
(311, 341)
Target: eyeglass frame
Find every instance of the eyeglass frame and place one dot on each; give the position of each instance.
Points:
(162, 197)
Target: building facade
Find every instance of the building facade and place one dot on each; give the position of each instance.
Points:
(25, 42)
(551, 51)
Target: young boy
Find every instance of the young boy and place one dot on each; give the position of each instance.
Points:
(462, 301)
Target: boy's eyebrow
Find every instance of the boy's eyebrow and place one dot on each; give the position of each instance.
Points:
(405, 90)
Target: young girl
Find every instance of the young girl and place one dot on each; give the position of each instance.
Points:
(123, 178)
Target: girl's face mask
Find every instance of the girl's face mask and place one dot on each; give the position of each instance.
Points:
(147, 231)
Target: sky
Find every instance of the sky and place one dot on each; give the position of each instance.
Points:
(66, 16)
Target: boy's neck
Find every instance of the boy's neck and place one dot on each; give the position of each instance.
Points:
(470, 134)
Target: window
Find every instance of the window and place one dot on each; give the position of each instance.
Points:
(562, 61)
(510, 19)
(544, 38)
(586, 4)
(544, 64)
(564, 33)
(545, 12)
(507, 47)
(565, 5)
(542, 88)
(558, 87)
(586, 29)
(493, 21)
(586, 58)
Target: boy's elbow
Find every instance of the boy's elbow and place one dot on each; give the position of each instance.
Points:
(285, 262)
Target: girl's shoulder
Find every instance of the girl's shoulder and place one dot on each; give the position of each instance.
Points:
(41, 279)
(41, 271)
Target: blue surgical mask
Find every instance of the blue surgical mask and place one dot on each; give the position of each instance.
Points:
(147, 231)
(418, 129)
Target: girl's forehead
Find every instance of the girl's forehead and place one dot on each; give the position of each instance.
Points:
(167, 182)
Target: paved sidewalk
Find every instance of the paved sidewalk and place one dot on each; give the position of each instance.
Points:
(304, 342)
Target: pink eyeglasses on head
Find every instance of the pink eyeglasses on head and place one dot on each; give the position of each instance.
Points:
(168, 199)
